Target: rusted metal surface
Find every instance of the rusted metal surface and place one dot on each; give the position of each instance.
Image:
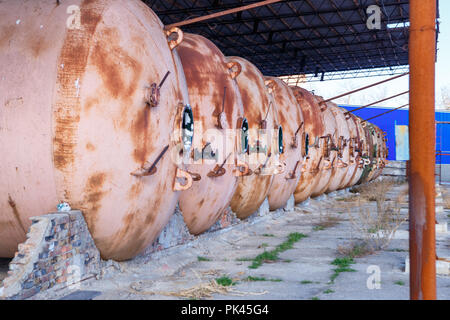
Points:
(368, 156)
(290, 117)
(217, 108)
(314, 129)
(262, 120)
(342, 145)
(381, 157)
(351, 151)
(75, 122)
(374, 151)
(328, 142)
(359, 149)
(422, 136)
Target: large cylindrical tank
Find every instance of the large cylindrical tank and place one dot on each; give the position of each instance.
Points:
(374, 151)
(291, 120)
(380, 153)
(314, 128)
(258, 103)
(357, 145)
(327, 144)
(342, 147)
(84, 115)
(368, 158)
(352, 144)
(218, 115)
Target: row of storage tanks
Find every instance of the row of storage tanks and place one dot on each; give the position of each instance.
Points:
(124, 120)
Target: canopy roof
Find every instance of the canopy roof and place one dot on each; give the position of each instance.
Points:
(320, 38)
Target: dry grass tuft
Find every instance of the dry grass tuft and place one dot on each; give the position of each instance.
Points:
(377, 227)
(446, 197)
(201, 291)
(327, 221)
(355, 249)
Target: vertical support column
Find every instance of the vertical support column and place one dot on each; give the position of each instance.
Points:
(422, 142)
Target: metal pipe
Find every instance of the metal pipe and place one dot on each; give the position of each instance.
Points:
(363, 88)
(220, 14)
(376, 102)
(422, 145)
(384, 113)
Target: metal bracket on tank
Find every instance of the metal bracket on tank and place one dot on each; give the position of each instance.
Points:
(294, 143)
(148, 170)
(292, 174)
(280, 168)
(153, 93)
(262, 166)
(329, 165)
(235, 69)
(181, 174)
(173, 43)
(263, 123)
(341, 164)
(242, 169)
(218, 171)
(270, 84)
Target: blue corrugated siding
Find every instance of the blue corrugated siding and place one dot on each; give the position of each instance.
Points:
(401, 117)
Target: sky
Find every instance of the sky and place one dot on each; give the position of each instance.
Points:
(334, 87)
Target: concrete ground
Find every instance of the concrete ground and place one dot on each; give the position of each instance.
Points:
(302, 272)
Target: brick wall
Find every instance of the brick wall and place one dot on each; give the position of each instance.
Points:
(59, 251)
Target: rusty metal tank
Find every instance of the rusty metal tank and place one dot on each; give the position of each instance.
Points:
(342, 149)
(218, 118)
(381, 158)
(327, 143)
(90, 92)
(253, 187)
(384, 152)
(352, 143)
(368, 158)
(357, 147)
(374, 151)
(291, 120)
(314, 128)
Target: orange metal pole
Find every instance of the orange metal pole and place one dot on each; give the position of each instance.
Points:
(422, 144)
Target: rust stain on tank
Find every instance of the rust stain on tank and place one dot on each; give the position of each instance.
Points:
(140, 134)
(6, 35)
(135, 190)
(15, 212)
(74, 57)
(94, 194)
(90, 147)
(90, 102)
(110, 70)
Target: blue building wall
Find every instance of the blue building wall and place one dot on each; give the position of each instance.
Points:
(389, 122)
